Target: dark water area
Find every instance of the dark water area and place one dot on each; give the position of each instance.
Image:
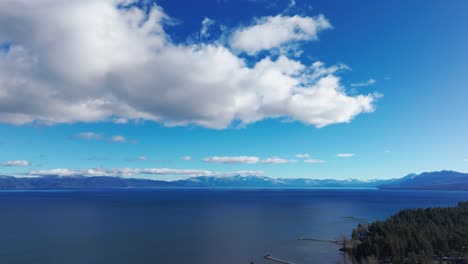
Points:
(182, 226)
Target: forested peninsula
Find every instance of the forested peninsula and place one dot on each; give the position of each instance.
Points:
(432, 235)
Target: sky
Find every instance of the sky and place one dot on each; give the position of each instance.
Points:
(171, 89)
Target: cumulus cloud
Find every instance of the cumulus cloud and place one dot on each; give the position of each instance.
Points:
(366, 83)
(111, 60)
(345, 155)
(276, 31)
(131, 172)
(314, 161)
(302, 156)
(15, 163)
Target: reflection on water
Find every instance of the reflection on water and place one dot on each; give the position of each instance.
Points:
(192, 225)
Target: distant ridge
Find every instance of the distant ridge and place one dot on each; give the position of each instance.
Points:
(80, 182)
(439, 180)
(76, 182)
(258, 181)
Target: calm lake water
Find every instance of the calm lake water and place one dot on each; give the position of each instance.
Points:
(183, 226)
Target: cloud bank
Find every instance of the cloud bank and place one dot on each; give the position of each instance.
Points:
(131, 172)
(111, 60)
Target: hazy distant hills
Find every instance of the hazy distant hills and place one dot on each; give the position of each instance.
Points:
(442, 180)
(75, 182)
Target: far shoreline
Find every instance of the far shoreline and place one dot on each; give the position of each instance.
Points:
(226, 188)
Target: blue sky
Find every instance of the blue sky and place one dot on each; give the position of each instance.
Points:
(94, 103)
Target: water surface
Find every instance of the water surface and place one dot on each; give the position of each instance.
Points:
(182, 226)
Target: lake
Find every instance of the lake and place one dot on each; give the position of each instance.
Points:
(209, 226)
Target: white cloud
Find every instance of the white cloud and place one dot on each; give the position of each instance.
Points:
(246, 160)
(118, 139)
(187, 158)
(367, 83)
(345, 155)
(233, 159)
(302, 156)
(90, 136)
(276, 31)
(120, 120)
(319, 70)
(206, 24)
(132, 172)
(314, 161)
(89, 61)
(15, 163)
(274, 160)
(98, 136)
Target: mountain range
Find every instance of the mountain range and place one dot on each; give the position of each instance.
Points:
(439, 180)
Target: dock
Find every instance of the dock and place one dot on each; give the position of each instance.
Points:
(267, 256)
